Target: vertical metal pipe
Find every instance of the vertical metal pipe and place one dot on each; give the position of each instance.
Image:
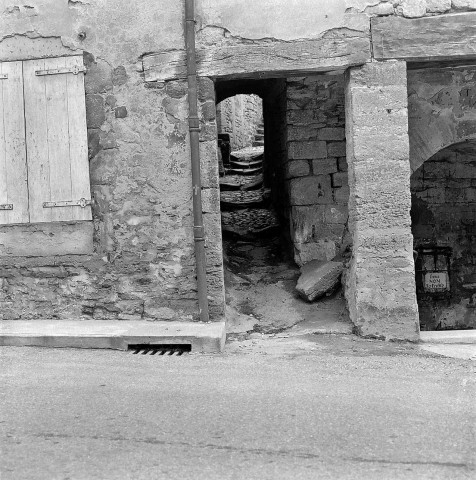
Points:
(194, 127)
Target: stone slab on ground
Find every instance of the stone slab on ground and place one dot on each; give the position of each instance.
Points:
(320, 326)
(117, 335)
(317, 278)
(449, 336)
(453, 350)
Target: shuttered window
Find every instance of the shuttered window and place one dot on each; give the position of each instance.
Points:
(44, 168)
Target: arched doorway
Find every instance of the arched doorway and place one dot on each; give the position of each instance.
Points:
(444, 230)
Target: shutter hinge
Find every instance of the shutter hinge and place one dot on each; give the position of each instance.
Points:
(68, 203)
(56, 71)
(3, 76)
(6, 206)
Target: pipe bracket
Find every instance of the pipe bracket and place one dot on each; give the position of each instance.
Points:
(199, 233)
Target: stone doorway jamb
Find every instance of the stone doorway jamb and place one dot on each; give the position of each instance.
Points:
(380, 285)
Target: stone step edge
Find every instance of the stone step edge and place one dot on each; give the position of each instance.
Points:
(116, 335)
(449, 336)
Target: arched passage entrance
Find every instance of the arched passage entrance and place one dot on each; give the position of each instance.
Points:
(444, 229)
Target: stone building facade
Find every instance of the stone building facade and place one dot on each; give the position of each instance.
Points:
(360, 99)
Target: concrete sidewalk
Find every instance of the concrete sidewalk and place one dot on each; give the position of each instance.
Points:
(117, 335)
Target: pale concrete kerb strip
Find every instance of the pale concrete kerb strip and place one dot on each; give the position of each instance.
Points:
(449, 336)
(204, 337)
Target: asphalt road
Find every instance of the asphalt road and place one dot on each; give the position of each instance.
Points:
(320, 407)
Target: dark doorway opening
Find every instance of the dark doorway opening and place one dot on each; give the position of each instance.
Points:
(444, 231)
(280, 195)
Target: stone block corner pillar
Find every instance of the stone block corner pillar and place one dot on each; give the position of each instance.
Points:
(380, 288)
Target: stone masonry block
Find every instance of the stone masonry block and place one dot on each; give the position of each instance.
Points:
(336, 149)
(331, 133)
(323, 166)
(336, 214)
(297, 168)
(378, 74)
(211, 200)
(340, 179)
(300, 117)
(307, 150)
(304, 220)
(310, 190)
(321, 250)
(342, 164)
(341, 195)
(301, 132)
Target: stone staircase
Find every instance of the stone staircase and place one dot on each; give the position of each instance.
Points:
(245, 203)
(259, 136)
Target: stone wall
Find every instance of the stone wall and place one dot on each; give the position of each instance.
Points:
(240, 116)
(444, 215)
(141, 264)
(316, 171)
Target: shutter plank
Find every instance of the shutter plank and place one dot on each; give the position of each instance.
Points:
(13, 169)
(78, 141)
(58, 139)
(36, 123)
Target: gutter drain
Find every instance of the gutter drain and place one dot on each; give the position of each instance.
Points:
(161, 349)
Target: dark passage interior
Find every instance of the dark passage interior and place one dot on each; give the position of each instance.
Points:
(278, 195)
(444, 230)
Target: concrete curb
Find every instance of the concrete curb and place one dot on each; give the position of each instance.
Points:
(117, 335)
(449, 336)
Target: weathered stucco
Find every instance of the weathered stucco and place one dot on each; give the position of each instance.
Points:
(442, 110)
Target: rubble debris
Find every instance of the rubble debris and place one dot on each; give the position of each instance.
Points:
(319, 278)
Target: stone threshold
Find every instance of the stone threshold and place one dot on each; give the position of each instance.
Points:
(449, 336)
(117, 335)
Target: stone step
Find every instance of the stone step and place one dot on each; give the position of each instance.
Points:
(112, 334)
(449, 336)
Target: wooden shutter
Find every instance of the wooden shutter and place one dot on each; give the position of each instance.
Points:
(13, 171)
(56, 138)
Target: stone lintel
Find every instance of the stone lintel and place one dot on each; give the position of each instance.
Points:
(264, 58)
(438, 38)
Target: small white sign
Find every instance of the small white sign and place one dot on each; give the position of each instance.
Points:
(436, 281)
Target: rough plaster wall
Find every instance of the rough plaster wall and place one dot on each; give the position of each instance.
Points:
(143, 262)
(239, 116)
(297, 19)
(316, 171)
(444, 215)
(442, 110)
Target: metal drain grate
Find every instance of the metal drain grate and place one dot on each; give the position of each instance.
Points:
(160, 349)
